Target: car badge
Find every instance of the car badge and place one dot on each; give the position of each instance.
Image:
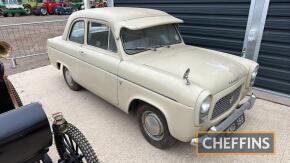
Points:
(234, 80)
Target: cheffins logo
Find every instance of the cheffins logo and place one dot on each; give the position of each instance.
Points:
(236, 143)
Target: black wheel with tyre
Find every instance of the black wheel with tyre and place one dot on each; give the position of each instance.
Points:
(70, 81)
(13, 93)
(72, 146)
(43, 11)
(154, 127)
(28, 10)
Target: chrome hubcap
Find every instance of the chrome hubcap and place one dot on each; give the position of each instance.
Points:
(68, 78)
(152, 125)
(43, 11)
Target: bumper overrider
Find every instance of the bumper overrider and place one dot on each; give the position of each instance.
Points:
(229, 120)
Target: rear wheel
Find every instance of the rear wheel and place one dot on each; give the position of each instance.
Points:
(72, 146)
(69, 80)
(154, 127)
(43, 11)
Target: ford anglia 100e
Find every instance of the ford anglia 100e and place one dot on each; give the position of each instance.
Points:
(136, 59)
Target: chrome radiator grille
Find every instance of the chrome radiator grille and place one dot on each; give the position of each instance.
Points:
(225, 103)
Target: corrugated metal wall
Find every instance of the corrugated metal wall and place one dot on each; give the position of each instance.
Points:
(214, 24)
(274, 56)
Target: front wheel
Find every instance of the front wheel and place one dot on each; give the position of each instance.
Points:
(69, 80)
(72, 146)
(28, 10)
(154, 127)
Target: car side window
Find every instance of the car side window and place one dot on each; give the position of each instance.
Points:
(78, 32)
(100, 36)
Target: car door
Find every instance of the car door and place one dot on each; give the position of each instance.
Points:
(102, 61)
(73, 48)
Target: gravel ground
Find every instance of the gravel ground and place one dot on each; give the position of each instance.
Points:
(115, 136)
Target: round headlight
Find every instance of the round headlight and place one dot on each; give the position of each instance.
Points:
(253, 77)
(205, 106)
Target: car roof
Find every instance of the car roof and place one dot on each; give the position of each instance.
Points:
(118, 14)
(127, 17)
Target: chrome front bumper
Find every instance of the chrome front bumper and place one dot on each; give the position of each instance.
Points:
(227, 122)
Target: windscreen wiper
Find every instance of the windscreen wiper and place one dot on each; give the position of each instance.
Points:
(142, 48)
(154, 48)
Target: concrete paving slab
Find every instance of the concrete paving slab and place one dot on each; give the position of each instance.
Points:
(115, 136)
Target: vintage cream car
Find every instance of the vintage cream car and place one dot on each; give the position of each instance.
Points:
(136, 59)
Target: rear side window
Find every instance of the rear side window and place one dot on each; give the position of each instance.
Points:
(78, 32)
(99, 35)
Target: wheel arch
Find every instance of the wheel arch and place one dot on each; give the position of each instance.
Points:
(136, 102)
(60, 65)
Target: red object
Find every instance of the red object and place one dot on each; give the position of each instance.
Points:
(50, 5)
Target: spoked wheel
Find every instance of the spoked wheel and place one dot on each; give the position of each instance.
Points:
(72, 146)
(13, 94)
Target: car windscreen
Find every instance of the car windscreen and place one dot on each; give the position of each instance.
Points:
(136, 41)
